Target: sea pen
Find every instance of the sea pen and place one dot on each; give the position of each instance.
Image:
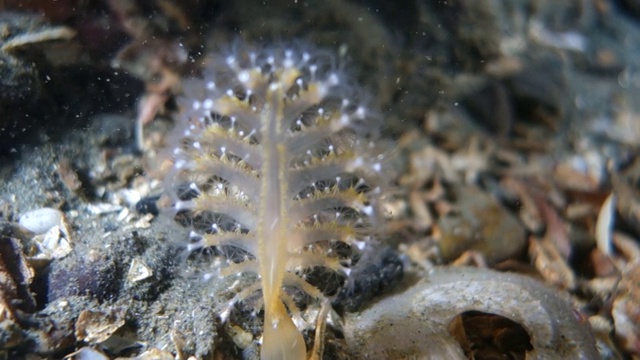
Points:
(276, 166)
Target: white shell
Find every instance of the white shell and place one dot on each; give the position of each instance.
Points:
(39, 221)
(415, 322)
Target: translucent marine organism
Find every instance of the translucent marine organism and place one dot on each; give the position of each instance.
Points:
(275, 166)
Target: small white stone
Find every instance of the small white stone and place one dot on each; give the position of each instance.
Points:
(41, 220)
(138, 271)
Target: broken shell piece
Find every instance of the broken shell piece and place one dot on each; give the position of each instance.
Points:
(240, 336)
(51, 245)
(103, 208)
(15, 296)
(39, 221)
(138, 271)
(155, 354)
(604, 225)
(416, 323)
(86, 353)
(97, 326)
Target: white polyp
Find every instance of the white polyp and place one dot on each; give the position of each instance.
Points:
(211, 85)
(346, 271)
(252, 58)
(197, 244)
(194, 186)
(196, 105)
(214, 227)
(312, 70)
(192, 247)
(183, 205)
(322, 89)
(345, 103)
(179, 163)
(207, 104)
(243, 76)
(321, 111)
(192, 127)
(334, 79)
(305, 56)
(360, 244)
(299, 82)
(377, 167)
(270, 60)
(331, 150)
(220, 186)
(357, 162)
(368, 210)
(274, 86)
(241, 133)
(361, 112)
(196, 144)
(223, 150)
(344, 120)
(230, 60)
(287, 63)
(229, 92)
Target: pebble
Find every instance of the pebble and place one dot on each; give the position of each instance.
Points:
(41, 220)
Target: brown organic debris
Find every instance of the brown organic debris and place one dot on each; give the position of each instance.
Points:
(96, 326)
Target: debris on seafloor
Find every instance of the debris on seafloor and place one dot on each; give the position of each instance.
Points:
(480, 223)
(428, 326)
(16, 276)
(95, 327)
(51, 235)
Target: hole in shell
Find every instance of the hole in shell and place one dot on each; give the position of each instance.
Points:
(489, 336)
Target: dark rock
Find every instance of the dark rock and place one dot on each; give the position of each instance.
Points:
(377, 271)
